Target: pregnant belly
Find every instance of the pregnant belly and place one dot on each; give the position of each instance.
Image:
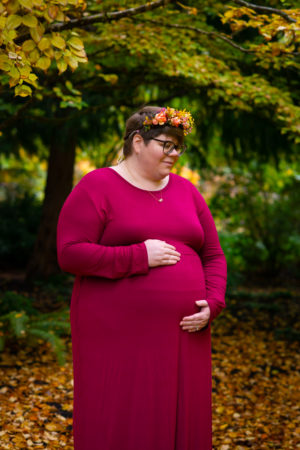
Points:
(165, 293)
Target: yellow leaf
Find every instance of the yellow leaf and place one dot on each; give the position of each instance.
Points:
(51, 427)
(33, 56)
(43, 62)
(5, 66)
(28, 45)
(58, 55)
(14, 73)
(11, 34)
(30, 21)
(23, 90)
(2, 22)
(73, 63)
(26, 3)
(5, 63)
(76, 43)
(59, 42)
(61, 65)
(25, 72)
(81, 53)
(44, 43)
(13, 22)
(81, 60)
(49, 52)
(31, 79)
(36, 34)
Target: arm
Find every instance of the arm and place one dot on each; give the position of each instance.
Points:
(213, 260)
(80, 226)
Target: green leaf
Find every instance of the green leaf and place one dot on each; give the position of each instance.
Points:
(30, 21)
(18, 320)
(13, 22)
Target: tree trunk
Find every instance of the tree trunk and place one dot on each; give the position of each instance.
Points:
(59, 184)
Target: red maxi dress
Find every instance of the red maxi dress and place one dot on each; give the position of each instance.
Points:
(140, 381)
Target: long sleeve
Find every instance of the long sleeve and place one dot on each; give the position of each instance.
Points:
(213, 260)
(80, 226)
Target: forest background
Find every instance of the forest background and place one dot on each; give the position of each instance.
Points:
(72, 71)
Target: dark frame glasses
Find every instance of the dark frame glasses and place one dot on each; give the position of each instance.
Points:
(167, 151)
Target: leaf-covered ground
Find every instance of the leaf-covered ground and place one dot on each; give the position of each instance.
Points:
(255, 390)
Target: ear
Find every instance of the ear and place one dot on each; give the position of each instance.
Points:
(137, 140)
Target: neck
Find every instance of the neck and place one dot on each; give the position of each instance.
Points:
(141, 176)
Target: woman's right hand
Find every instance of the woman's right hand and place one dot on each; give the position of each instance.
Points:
(160, 253)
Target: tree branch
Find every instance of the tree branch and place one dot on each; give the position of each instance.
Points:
(101, 17)
(266, 9)
(210, 33)
(200, 31)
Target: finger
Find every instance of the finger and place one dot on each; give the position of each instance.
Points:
(189, 328)
(169, 246)
(172, 252)
(166, 257)
(193, 322)
(170, 257)
(192, 318)
(193, 329)
(170, 260)
(201, 303)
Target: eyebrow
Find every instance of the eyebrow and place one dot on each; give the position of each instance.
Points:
(169, 140)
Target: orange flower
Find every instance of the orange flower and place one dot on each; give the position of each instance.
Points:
(175, 121)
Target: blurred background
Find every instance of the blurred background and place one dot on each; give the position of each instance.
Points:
(72, 72)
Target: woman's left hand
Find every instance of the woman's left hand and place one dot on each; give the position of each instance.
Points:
(198, 320)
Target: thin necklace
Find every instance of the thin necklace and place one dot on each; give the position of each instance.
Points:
(157, 199)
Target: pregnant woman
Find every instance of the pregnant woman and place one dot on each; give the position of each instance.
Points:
(150, 278)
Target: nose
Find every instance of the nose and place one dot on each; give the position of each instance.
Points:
(174, 152)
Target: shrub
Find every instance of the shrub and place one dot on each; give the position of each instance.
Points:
(20, 321)
(260, 208)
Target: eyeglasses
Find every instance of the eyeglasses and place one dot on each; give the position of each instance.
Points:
(169, 146)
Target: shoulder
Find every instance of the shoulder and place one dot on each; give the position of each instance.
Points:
(186, 184)
(190, 189)
(95, 179)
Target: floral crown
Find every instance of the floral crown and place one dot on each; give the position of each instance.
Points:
(173, 117)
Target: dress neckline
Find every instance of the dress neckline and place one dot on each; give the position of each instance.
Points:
(140, 189)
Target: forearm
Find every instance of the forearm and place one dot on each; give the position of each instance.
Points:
(215, 272)
(89, 259)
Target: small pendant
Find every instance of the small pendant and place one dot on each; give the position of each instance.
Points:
(161, 199)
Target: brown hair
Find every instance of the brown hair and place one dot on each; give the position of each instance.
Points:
(135, 123)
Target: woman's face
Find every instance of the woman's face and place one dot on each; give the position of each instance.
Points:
(153, 161)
